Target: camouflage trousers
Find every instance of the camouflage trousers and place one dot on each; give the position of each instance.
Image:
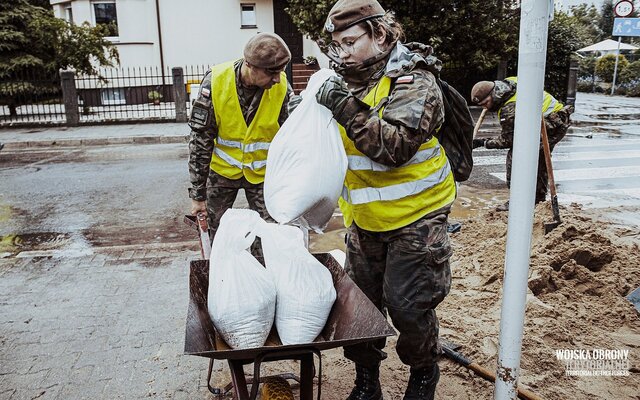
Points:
(222, 193)
(406, 273)
(557, 125)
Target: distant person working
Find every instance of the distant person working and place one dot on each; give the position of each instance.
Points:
(500, 96)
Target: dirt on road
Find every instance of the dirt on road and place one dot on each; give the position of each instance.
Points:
(580, 274)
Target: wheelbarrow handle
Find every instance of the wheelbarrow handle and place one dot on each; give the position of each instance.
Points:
(203, 230)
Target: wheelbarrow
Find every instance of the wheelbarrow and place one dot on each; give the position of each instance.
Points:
(353, 319)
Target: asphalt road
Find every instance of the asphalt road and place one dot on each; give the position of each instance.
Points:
(76, 198)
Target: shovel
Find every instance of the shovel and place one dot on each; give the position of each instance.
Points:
(549, 226)
(480, 119)
(449, 350)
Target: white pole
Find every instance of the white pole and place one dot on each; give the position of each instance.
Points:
(534, 22)
(615, 69)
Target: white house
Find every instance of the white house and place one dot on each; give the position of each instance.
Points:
(172, 33)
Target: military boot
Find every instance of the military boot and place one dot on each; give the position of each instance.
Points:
(422, 383)
(367, 384)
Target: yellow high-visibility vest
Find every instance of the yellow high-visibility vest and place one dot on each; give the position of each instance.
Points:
(381, 198)
(549, 103)
(241, 150)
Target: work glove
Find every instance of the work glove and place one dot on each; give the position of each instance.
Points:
(336, 96)
(478, 143)
(294, 102)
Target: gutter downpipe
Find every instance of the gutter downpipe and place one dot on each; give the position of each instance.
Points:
(534, 22)
(160, 42)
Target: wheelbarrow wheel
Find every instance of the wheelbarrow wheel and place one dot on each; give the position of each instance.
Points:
(276, 388)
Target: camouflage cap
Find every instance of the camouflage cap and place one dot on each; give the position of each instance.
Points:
(267, 50)
(481, 90)
(346, 13)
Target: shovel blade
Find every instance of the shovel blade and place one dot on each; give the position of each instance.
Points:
(549, 226)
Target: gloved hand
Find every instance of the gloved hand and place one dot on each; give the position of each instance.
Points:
(334, 94)
(294, 102)
(198, 206)
(478, 143)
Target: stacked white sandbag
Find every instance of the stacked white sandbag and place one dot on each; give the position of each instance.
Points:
(242, 295)
(305, 290)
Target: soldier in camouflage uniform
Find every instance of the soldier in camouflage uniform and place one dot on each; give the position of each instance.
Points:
(221, 163)
(398, 189)
(500, 96)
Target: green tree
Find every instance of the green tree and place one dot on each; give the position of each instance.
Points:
(587, 23)
(35, 44)
(631, 73)
(606, 19)
(563, 40)
(472, 36)
(606, 65)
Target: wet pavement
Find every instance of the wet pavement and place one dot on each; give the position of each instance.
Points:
(94, 252)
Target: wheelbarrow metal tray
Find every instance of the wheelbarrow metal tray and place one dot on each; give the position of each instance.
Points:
(353, 319)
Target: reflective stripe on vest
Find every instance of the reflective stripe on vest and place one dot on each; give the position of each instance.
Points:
(246, 148)
(381, 198)
(549, 103)
(254, 166)
(241, 150)
(359, 163)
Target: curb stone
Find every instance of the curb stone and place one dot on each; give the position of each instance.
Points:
(96, 141)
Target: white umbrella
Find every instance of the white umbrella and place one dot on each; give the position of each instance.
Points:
(607, 45)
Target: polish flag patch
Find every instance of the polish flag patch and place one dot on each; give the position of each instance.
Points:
(405, 79)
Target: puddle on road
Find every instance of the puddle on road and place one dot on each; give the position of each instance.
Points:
(170, 230)
(615, 117)
(332, 238)
(15, 243)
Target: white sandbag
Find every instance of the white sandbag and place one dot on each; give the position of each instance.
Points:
(306, 164)
(242, 295)
(305, 291)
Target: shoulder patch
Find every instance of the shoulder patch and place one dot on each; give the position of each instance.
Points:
(405, 79)
(205, 92)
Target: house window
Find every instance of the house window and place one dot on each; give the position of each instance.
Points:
(112, 96)
(68, 13)
(248, 16)
(104, 14)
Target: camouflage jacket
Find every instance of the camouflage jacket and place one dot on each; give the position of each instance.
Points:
(204, 128)
(412, 112)
(556, 122)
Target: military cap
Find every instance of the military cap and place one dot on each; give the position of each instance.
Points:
(267, 50)
(481, 90)
(346, 13)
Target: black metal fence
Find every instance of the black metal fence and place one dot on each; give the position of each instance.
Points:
(31, 97)
(134, 94)
(113, 95)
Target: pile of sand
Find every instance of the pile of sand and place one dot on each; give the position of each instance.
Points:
(579, 275)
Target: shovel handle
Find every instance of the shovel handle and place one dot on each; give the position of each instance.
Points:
(482, 371)
(547, 157)
(480, 119)
(490, 376)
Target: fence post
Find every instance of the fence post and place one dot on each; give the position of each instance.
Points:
(70, 96)
(573, 82)
(502, 70)
(179, 94)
